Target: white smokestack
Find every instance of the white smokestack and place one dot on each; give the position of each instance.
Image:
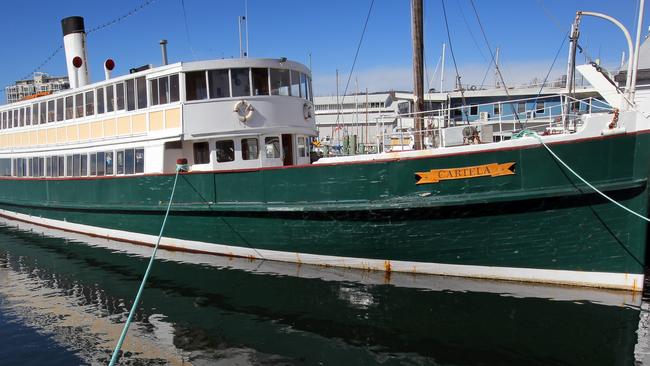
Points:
(76, 57)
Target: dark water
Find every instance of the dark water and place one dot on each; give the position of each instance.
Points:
(63, 302)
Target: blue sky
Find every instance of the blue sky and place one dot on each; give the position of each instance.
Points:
(529, 33)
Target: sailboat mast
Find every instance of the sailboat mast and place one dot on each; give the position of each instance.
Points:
(418, 70)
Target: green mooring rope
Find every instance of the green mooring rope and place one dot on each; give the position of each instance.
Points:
(116, 352)
(534, 134)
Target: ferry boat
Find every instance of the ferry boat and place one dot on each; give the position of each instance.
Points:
(100, 159)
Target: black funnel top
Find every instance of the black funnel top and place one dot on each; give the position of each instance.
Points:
(72, 25)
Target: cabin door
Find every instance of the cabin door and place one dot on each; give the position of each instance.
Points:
(287, 150)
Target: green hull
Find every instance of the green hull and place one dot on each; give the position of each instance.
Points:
(541, 217)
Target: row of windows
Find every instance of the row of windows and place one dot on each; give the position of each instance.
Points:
(324, 107)
(520, 106)
(105, 163)
(244, 82)
(130, 95)
(250, 149)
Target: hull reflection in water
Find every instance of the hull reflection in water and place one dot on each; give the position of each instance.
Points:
(201, 309)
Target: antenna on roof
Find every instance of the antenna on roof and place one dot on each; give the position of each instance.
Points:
(243, 48)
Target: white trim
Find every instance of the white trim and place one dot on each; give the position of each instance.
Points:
(621, 281)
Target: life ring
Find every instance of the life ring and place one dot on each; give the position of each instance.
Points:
(307, 111)
(244, 110)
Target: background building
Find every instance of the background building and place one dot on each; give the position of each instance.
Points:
(41, 82)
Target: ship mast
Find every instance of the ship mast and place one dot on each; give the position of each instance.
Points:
(418, 71)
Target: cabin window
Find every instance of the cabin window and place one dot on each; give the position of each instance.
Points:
(100, 100)
(119, 96)
(84, 164)
(497, 109)
(129, 163)
(16, 119)
(76, 165)
(35, 114)
(540, 107)
(280, 82)
(68, 165)
(250, 149)
(5, 167)
(154, 92)
(50, 111)
(130, 95)
(69, 107)
(139, 161)
(141, 88)
(2, 120)
(272, 144)
(110, 99)
(302, 147)
(295, 83)
(173, 89)
(241, 86)
(521, 107)
(59, 109)
(90, 103)
(48, 166)
(109, 162)
(42, 112)
(260, 81)
(28, 115)
(93, 164)
(195, 87)
(120, 162)
(218, 81)
(21, 113)
(55, 166)
(163, 90)
(473, 110)
(33, 168)
(101, 163)
(225, 151)
(201, 153)
(79, 105)
(303, 86)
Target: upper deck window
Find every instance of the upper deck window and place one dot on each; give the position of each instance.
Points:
(303, 86)
(130, 95)
(100, 100)
(141, 88)
(42, 112)
(28, 116)
(280, 82)
(69, 108)
(119, 96)
(50, 111)
(195, 85)
(110, 99)
(219, 85)
(164, 90)
(295, 83)
(22, 116)
(59, 109)
(90, 103)
(79, 106)
(174, 95)
(34, 113)
(260, 81)
(241, 86)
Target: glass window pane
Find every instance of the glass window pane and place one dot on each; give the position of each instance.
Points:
(59, 109)
(225, 151)
(79, 105)
(301, 146)
(250, 149)
(21, 113)
(241, 86)
(141, 85)
(50, 111)
(295, 83)
(69, 107)
(260, 81)
(154, 92)
(61, 166)
(42, 113)
(130, 95)
(49, 166)
(139, 161)
(279, 82)
(129, 167)
(219, 87)
(195, 88)
(34, 114)
(100, 100)
(272, 147)
(119, 96)
(101, 163)
(163, 90)
(120, 162)
(201, 153)
(109, 163)
(110, 99)
(76, 165)
(90, 103)
(28, 115)
(173, 88)
(93, 164)
(303, 86)
(69, 166)
(84, 165)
